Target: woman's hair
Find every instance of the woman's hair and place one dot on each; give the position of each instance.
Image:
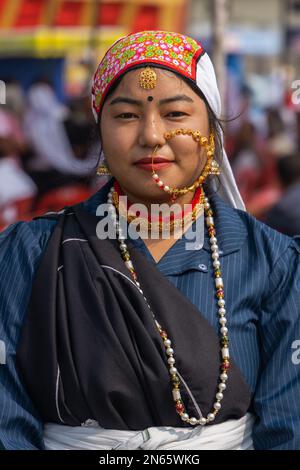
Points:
(215, 124)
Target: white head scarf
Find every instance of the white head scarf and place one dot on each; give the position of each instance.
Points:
(207, 83)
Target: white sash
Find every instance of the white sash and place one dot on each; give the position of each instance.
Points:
(231, 435)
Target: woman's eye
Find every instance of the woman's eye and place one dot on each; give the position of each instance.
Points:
(177, 113)
(126, 115)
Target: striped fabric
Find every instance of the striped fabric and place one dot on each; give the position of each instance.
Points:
(261, 274)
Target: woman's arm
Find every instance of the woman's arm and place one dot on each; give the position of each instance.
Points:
(21, 247)
(276, 399)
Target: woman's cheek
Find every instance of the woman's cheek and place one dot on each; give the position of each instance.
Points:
(186, 155)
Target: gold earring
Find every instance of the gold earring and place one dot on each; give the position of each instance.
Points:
(215, 168)
(103, 170)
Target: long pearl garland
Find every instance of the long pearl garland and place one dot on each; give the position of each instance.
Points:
(224, 341)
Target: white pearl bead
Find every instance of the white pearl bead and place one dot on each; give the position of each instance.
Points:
(169, 351)
(193, 421)
(176, 394)
(206, 205)
(215, 255)
(221, 302)
(222, 311)
(184, 417)
(217, 405)
(202, 421)
(224, 376)
(171, 360)
(123, 246)
(155, 175)
(166, 188)
(167, 343)
(219, 396)
(214, 247)
(216, 263)
(173, 370)
(223, 321)
(129, 264)
(160, 183)
(219, 282)
(225, 352)
(213, 240)
(222, 386)
(210, 417)
(224, 330)
(209, 220)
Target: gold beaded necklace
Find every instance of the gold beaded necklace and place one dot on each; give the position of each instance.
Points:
(162, 225)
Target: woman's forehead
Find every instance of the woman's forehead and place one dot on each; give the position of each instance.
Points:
(166, 83)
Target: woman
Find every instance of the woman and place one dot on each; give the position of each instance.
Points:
(123, 342)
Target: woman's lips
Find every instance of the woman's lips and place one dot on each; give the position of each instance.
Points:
(156, 166)
(158, 163)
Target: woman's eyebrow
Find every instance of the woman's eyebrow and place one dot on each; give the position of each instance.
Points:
(124, 99)
(176, 98)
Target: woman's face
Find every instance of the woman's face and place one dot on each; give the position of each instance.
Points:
(134, 121)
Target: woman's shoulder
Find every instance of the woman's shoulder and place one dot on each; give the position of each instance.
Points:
(34, 234)
(239, 228)
(27, 236)
(262, 230)
(273, 243)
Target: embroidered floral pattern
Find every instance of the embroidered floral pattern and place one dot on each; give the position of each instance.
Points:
(172, 50)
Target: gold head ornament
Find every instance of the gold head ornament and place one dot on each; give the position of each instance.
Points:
(148, 78)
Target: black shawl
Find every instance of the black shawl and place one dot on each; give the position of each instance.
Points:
(89, 347)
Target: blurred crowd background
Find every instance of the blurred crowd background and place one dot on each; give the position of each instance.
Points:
(49, 49)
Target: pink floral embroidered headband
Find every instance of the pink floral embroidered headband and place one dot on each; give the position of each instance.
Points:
(169, 50)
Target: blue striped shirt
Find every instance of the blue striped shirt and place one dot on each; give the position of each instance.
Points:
(261, 275)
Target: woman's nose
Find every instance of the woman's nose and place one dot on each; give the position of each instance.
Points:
(151, 133)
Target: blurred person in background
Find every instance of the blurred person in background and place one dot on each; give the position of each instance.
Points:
(80, 127)
(54, 162)
(280, 136)
(285, 215)
(298, 130)
(254, 167)
(245, 160)
(17, 189)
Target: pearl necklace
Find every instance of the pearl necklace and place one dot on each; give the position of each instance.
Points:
(224, 341)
